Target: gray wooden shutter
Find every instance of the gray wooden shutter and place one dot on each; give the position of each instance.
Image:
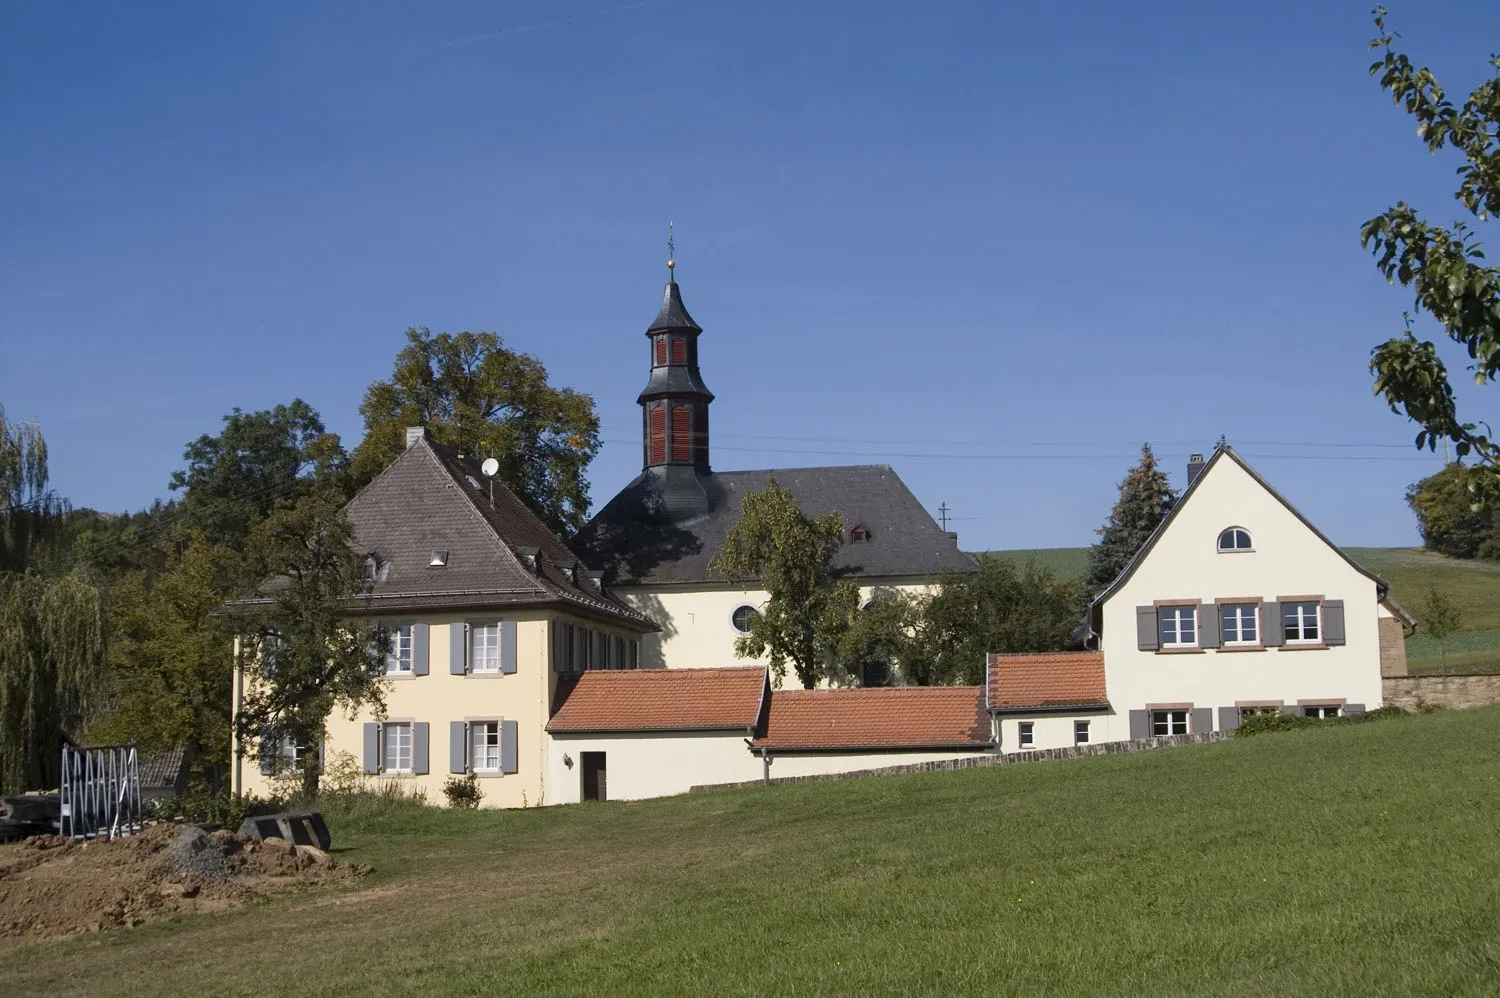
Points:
(1140, 724)
(1208, 625)
(1229, 718)
(420, 649)
(1292, 709)
(508, 748)
(419, 731)
(1354, 708)
(1146, 636)
(458, 648)
(458, 747)
(1333, 622)
(1200, 720)
(1272, 628)
(556, 628)
(508, 647)
(267, 757)
(372, 747)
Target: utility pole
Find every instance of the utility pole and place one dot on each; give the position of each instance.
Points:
(943, 512)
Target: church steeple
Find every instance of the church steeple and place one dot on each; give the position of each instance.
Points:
(674, 403)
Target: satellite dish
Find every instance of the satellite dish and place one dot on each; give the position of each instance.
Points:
(489, 467)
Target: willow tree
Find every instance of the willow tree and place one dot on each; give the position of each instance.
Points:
(29, 511)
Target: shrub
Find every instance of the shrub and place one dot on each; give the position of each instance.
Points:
(463, 791)
(200, 806)
(1260, 724)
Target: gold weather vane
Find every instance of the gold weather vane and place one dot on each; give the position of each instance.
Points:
(671, 251)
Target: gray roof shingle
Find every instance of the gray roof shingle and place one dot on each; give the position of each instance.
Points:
(633, 547)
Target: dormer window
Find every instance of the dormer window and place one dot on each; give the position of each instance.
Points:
(859, 535)
(1235, 539)
(439, 559)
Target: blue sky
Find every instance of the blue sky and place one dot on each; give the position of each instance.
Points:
(997, 246)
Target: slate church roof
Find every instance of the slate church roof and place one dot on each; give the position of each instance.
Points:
(431, 504)
(632, 546)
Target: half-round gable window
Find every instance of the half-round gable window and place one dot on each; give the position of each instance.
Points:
(859, 535)
(1235, 539)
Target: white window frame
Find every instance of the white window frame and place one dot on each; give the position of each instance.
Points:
(408, 732)
(1080, 731)
(754, 610)
(490, 664)
(1173, 719)
(1026, 734)
(1179, 614)
(1238, 612)
(401, 643)
(1323, 711)
(1233, 534)
(1317, 623)
(479, 760)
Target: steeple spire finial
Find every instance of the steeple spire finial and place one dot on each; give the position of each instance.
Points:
(671, 253)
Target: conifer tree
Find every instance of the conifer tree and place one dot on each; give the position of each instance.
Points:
(1145, 499)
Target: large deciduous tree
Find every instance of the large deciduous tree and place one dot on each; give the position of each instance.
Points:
(790, 556)
(30, 513)
(1449, 518)
(487, 401)
(306, 655)
(1444, 267)
(257, 459)
(1146, 497)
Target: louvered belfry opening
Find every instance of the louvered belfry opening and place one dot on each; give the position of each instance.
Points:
(675, 400)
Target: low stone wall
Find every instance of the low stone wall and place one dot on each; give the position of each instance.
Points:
(1415, 692)
(998, 759)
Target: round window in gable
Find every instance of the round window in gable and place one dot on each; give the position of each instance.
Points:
(1235, 539)
(742, 616)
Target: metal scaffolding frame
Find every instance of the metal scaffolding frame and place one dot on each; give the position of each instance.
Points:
(100, 791)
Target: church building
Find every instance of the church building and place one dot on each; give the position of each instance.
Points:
(654, 541)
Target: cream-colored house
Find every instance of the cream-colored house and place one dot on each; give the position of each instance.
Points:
(656, 538)
(488, 613)
(1236, 604)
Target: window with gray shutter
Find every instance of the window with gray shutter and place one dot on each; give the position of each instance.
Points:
(1140, 724)
(1354, 708)
(419, 747)
(420, 649)
(1146, 636)
(1333, 622)
(507, 647)
(1208, 625)
(508, 747)
(458, 742)
(1202, 720)
(372, 747)
(270, 749)
(1229, 718)
(458, 648)
(1272, 627)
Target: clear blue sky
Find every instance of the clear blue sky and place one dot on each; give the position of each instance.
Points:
(994, 245)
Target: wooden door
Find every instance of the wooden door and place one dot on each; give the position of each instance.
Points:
(593, 776)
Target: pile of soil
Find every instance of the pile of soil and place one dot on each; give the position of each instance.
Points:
(51, 886)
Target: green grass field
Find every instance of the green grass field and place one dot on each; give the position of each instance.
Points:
(1360, 859)
(1473, 585)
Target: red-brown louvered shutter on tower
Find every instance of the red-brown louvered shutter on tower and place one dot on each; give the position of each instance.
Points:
(679, 350)
(658, 434)
(682, 437)
(661, 350)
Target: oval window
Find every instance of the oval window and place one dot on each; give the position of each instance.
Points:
(742, 616)
(1235, 539)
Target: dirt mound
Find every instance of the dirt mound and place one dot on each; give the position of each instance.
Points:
(52, 886)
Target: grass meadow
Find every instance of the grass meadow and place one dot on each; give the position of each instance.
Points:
(1358, 859)
(1474, 586)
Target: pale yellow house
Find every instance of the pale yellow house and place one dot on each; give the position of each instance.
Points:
(488, 612)
(656, 538)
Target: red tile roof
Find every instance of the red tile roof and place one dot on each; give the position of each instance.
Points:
(659, 700)
(905, 717)
(1053, 680)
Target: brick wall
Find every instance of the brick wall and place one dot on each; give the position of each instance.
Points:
(1413, 692)
(1002, 759)
(1392, 647)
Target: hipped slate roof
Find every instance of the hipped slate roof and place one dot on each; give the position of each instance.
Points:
(1050, 681)
(906, 717)
(660, 700)
(633, 547)
(499, 554)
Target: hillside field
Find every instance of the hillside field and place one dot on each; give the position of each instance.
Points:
(1357, 859)
(1473, 585)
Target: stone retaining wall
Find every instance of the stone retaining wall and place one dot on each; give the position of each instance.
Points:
(999, 759)
(1415, 692)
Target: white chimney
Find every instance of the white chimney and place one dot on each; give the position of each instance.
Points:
(415, 433)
